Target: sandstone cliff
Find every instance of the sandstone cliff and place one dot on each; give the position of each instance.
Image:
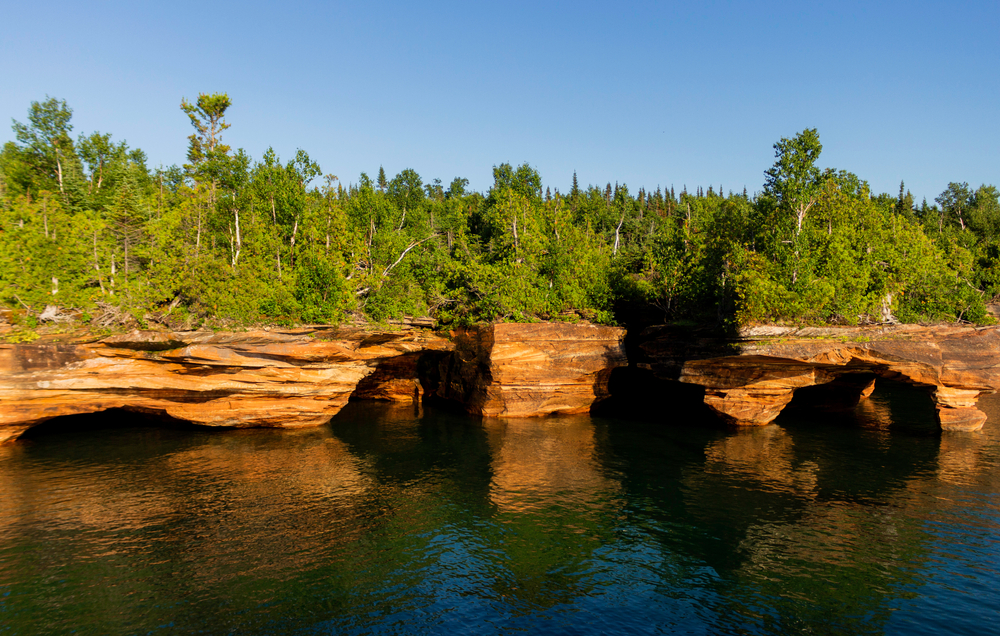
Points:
(750, 379)
(525, 370)
(271, 379)
(304, 377)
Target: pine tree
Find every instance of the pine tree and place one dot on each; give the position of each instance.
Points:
(904, 204)
(128, 225)
(382, 182)
(208, 117)
(206, 152)
(574, 192)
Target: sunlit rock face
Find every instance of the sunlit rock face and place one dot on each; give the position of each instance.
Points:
(749, 380)
(253, 379)
(528, 370)
(302, 378)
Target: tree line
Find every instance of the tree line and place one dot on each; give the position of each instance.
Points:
(87, 225)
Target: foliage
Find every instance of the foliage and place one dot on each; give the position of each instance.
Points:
(227, 238)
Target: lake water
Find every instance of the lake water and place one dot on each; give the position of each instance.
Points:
(400, 521)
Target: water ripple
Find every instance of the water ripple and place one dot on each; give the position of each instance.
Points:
(391, 522)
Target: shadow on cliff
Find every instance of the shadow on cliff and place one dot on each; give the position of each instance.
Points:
(636, 393)
(647, 390)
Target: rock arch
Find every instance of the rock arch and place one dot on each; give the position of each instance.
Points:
(759, 375)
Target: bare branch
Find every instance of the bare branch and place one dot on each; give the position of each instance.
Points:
(412, 245)
(23, 303)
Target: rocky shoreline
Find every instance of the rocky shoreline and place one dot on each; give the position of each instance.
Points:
(750, 379)
(299, 378)
(303, 377)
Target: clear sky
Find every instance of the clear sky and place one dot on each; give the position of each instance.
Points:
(643, 93)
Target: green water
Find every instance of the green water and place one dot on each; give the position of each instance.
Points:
(391, 520)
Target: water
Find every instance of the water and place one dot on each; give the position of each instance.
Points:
(391, 521)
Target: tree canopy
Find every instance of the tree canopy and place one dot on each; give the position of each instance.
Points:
(86, 225)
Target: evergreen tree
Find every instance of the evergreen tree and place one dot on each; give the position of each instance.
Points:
(233, 239)
(904, 203)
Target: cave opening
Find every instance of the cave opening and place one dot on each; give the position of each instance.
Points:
(894, 402)
(637, 393)
(106, 420)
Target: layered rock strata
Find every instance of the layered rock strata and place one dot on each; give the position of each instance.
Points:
(526, 370)
(749, 380)
(267, 379)
(304, 377)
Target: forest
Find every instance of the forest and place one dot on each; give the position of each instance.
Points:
(90, 232)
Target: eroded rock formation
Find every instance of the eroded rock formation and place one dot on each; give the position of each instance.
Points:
(270, 379)
(749, 380)
(524, 370)
(304, 377)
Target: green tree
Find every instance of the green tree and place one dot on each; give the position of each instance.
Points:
(955, 202)
(98, 152)
(207, 116)
(904, 203)
(46, 143)
(984, 212)
(406, 191)
(206, 153)
(794, 180)
(457, 188)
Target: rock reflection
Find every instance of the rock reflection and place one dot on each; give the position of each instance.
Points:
(837, 501)
(960, 456)
(764, 454)
(281, 496)
(970, 458)
(557, 506)
(874, 414)
(782, 538)
(310, 464)
(398, 521)
(546, 463)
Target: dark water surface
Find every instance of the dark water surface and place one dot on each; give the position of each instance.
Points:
(393, 521)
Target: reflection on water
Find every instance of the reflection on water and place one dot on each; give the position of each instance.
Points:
(392, 520)
(764, 455)
(540, 464)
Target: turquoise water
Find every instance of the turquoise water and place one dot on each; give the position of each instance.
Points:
(396, 521)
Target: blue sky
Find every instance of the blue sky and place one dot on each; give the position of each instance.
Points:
(643, 93)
